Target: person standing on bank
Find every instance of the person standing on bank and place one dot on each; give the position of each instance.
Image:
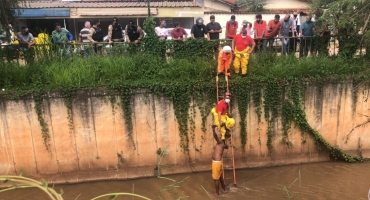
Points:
(61, 37)
(97, 35)
(178, 33)
(307, 31)
(198, 30)
(273, 30)
(161, 30)
(213, 29)
(259, 31)
(231, 28)
(286, 27)
(213, 33)
(85, 37)
(133, 33)
(115, 33)
(246, 26)
(26, 42)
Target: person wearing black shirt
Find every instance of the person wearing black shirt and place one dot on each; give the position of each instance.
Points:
(97, 35)
(115, 33)
(198, 30)
(214, 29)
(133, 32)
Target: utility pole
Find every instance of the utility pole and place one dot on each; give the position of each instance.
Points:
(148, 8)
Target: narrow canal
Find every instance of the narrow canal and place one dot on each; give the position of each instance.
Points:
(327, 180)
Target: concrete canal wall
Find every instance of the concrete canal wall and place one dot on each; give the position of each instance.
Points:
(98, 146)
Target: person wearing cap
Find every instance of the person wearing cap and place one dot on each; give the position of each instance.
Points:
(213, 29)
(178, 33)
(133, 33)
(224, 60)
(231, 27)
(115, 33)
(246, 26)
(273, 30)
(241, 45)
(220, 116)
(198, 30)
(161, 30)
(259, 31)
(97, 35)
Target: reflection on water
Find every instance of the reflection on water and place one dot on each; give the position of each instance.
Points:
(328, 180)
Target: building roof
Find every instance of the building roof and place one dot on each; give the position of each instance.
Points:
(228, 2)
(286, 4)
(270, 11)
(97, 4)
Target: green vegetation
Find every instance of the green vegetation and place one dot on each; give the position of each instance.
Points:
(7, 14)
(145, 71)
(347, 18)
(251, 5)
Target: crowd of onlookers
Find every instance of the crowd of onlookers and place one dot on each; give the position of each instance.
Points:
(288, 30)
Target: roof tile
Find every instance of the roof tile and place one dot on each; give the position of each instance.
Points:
(85, 4)
(270, 11)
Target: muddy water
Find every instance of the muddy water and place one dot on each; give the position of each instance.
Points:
(328, 180)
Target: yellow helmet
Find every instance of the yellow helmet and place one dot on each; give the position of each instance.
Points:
(230, 123)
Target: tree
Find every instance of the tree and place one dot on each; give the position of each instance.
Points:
(7, 13)
(251, 5)
(349, 19)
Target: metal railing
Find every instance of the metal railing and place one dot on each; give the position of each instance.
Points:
(299, 46)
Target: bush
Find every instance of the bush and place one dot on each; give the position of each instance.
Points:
(145, 70)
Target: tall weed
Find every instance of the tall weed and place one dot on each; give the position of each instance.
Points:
(143, 70)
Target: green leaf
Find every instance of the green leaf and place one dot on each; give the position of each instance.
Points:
(61, 192)
(21, 172)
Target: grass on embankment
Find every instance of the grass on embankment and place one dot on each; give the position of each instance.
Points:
(148, 71)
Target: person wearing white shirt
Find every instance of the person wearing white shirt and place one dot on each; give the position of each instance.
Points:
(161, 30)
(297, 25)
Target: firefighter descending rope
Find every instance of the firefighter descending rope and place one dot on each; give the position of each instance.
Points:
(222, 112)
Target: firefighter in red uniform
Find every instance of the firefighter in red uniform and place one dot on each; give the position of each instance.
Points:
(221, 118)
